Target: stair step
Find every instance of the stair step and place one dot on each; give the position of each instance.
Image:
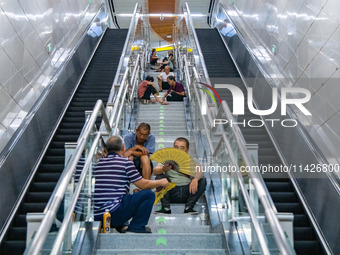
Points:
(17, 233)
(301, 220)
(49, 168)
(304, 233)
(43, 186)
(72, 132)
(32, 207)
(20, 220)
(158, 251)
(38, 196)
(289, 207)
(308, 247)
(284, 197)
(175, 220)
(55, 152)
(158, 132)
(178, 229)
(42, 177)
(53, 159)
(145, 241)
(14, 247)
(279, 186)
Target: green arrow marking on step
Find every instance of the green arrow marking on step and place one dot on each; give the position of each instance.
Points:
(161, 129)
(161, 117)
(161, 231)
(161, 133)
(160, 140)
(161, 107)
(161, 113)
(161, 121)
(161, 125)
(161, 146)
(160, 207)
(160, 241)
(161, 219)
(161, 110)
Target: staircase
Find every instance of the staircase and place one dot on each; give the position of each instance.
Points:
(96, 84)
(221, 67)
(174, 234)
(177, 233)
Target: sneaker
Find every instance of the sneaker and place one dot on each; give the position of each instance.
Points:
(190, 211)
(165, 211)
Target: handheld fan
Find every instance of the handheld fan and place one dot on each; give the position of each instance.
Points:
(178, 159)
(160, 194)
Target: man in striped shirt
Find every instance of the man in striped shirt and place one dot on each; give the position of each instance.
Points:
(114, 173)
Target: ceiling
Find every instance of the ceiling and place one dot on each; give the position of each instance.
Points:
(161, 28)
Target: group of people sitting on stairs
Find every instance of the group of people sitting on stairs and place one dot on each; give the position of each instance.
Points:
(166, 81)
(127, 161)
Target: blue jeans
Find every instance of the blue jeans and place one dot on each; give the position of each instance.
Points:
(181, 194)
(137, 206)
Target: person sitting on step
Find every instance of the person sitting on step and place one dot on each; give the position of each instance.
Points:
(153, 57)
(162, 78)
(175, 92)
(145, 89)
(139, 146)
(188, 189)
(165, 63)
(114, 173)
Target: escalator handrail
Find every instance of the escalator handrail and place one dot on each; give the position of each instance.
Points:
(191, 24)
(123, 58)
(68, 216)
(61, 187)
(260, 188)
(261, 237)
(262, 192)
(258, 230)
(119, 103)
(333, 178)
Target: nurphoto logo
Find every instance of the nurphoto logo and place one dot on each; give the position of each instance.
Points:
(239, 100)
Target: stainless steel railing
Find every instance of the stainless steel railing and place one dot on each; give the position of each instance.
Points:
(126, 91)
(262, 192)
(59, 192)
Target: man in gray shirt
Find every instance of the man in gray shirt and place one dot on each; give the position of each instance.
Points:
(162, 78)
(188, 188)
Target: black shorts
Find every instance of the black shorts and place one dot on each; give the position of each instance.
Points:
(136, 161)
(165, 85)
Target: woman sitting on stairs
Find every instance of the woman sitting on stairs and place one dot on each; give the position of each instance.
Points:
(145, 89)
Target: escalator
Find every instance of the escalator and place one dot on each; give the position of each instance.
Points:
(96, 84)
(221, 69)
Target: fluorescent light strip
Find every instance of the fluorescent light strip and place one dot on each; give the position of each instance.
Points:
(160, 14)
